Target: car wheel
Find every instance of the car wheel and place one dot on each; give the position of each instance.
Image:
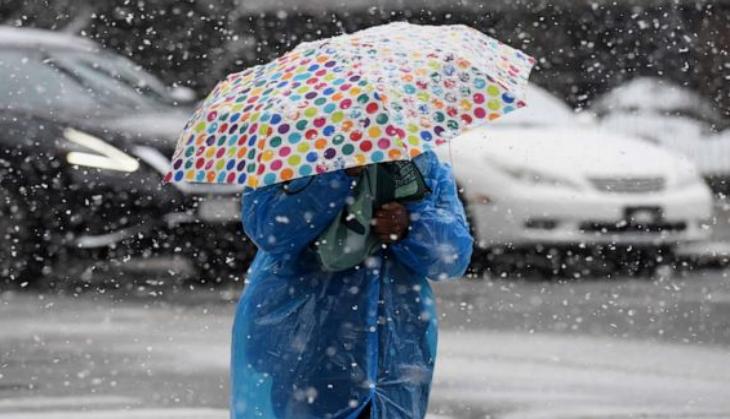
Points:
(16, 230)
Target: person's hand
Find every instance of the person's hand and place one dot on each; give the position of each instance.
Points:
(390, 222)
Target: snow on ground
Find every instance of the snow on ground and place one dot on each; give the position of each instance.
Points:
(500, 353)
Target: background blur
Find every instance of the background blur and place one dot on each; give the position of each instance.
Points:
(599, 285)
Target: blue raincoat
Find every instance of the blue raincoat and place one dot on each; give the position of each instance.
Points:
(309, 344)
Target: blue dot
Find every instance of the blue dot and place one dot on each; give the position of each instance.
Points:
(295, 98)
(178, 176)
(294, 137)
(242, 178)
(235, 117)
(233, 140)
(312, 156)
(377, 156)
(200, 176)
(269, 178)
(328, 91)
(251, 140)
(329, 108)
(275, 118)
(508, 109)
(426, 136)
(328, 130)
(313, 67)
(305, 170)
(212, 127)
(231, 164)
(508, 98)
(222, 176)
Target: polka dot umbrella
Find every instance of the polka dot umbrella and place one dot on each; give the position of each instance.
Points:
(385, 93)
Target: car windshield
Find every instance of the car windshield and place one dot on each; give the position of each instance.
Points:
(77, 81)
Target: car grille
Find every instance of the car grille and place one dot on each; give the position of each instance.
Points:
(628, 184)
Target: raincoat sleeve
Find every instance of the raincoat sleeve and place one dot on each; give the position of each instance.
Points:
(438, 244)
(283, 220)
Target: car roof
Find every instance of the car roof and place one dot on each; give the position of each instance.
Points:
(33, 38)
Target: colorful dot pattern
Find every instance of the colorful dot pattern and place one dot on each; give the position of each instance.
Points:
(386, 93)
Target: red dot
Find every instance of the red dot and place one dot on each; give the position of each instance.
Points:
(372, 107)
(311, 134)
(231, 177)
(319, 122)
(478, 98)
(480, 113)
(366, 146)
(199, 163)
(345, 104)
(260, 169)
(355, 135)
(223, 128)
(221, 151)
(466, 118)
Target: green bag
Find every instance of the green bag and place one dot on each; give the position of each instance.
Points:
(348, 241)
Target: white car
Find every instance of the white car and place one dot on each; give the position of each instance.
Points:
(543, 176)
(672, 116)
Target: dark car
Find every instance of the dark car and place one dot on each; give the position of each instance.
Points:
(85, 140)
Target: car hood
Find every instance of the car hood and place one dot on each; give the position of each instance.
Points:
(159, 128)
(567, 151)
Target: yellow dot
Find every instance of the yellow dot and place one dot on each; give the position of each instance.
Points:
(210, 152)
(310, 112)
(200, 126)
(267, 155)
(294, 160)
(493, 90)
(303, 147)
(253, 181)
(374, 132)
(359, 159)
(337, 117)
(412, 128)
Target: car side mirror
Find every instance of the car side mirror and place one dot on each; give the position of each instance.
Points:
(183, 95)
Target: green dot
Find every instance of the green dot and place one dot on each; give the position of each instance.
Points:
(494, 104)
(251, 154)
(301, 124)
(348, 149)
(493, 90)
(452, 124)
(200, 127)
(338, 139)
(439, 116)
(251, 167)
(275, 141)
(189, 151)
(337, 116)
(310, 112)
(294, 160)
(220, 164)
(363, 98)
(320, 101)
(222, 140)
(381, 119)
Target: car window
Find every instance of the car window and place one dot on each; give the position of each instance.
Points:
(27, 81)
(114, 78)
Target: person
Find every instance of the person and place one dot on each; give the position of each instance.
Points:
(358, 343)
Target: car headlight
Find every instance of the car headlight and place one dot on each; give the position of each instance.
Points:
(97, 153)
(537, 178)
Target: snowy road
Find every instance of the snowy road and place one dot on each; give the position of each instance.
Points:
(507, 350)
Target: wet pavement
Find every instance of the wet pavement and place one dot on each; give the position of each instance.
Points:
(655, 347)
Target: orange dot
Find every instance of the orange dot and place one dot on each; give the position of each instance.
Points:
(200, 139)
(286, 76)
(493, 116)
(287, 174)
(337, 97)
(260, 144)
(394, 154)
(347, 126)
(323, 59)
(414, 152)
(241, 152)
(210, 175)
(320, 144)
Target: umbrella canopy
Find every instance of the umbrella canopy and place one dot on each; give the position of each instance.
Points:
(386, 93)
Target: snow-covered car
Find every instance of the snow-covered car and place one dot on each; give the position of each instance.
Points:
(674, 117)
(544, 178)
(85, 140)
